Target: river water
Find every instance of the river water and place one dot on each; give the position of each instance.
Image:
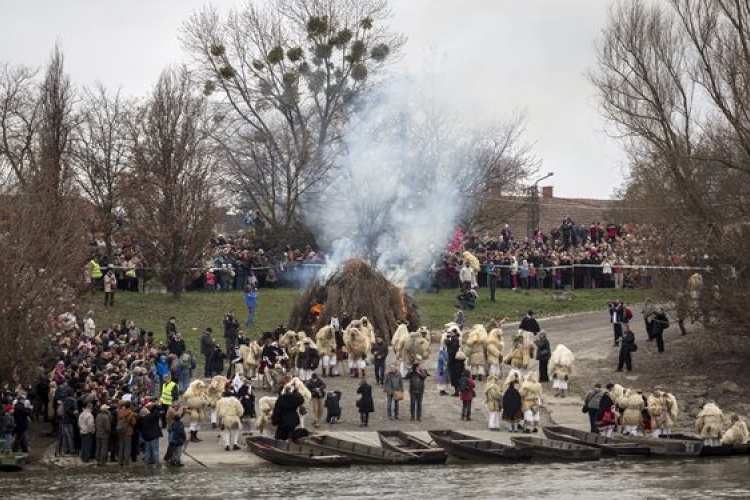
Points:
(632, 479)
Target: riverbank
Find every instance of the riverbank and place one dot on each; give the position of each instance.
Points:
(588, 335)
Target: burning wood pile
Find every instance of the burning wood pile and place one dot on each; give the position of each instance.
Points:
(359, 290)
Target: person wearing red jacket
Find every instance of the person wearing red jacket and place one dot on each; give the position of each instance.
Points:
(466, 388)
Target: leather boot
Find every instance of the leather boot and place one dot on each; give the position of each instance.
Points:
(197, 439)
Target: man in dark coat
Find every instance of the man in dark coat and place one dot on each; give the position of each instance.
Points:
(543, 355)
(627, 348)
(512, 407)
(529, 323)
(21, 415)
(416, 377)
(452, 345)
(151, 432)
(231, 329)
(285, 413)
(659, 323)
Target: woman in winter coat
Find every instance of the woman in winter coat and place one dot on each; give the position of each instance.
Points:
(391, 384)
(365, 403)
(512, 407)
(493, 400)
(543, 354)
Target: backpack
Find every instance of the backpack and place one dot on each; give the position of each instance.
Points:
(122, 427)
(185, 362)
(463, 385)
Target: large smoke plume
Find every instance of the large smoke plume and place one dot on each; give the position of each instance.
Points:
(400, 186)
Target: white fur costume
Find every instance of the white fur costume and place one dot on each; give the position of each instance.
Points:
(250, 355)
(398, 342)
(303, 346)
(737, 434)
(229, 411)
(288, 342)
(561, 368)
(494, 347)
(214, 392)
(531, 393)
(265, 412)
(358, 345)
(493, 400)
(475, 350)
(325, 343)
(709, 424)
(195, 400)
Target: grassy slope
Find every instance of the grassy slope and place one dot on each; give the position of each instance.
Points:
(198, 310)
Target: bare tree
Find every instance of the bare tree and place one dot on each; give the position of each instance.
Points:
(672, 78)
(172, 183)
(39, 268)
(19, 105)
(103, 149)
(288, 73)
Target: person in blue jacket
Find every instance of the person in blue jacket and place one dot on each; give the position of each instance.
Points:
(251, 301)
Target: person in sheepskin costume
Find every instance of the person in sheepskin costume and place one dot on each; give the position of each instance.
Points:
(561, 369)
(288, 342)
(737, 434)
(229, 411)
(215, 390)
(250, 355)
(632, 418)
(531, 393)
(513, 376)
(709, 424)
(308, 358)
(663, 409)
(417, 347)
(358, 346)
(476, 343)
(263, 423)
(494, 347)
(195, 400)
(493, 400)
(398, 342)
(519, 356)
(325, 343)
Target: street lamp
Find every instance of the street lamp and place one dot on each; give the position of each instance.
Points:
(533, 206)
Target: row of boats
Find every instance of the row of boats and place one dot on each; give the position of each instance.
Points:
(559, 444)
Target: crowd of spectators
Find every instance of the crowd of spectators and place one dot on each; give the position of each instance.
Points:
(106, 393)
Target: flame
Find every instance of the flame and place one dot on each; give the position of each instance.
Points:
(404, 308)
(316, 309)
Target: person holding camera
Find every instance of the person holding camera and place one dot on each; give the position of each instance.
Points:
(231, 330)
(416, 378)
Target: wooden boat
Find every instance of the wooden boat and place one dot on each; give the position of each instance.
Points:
(559, 450)
(467, 447)
(291, 454)
(666, 447)
(12, 462)
(402, 442)
(724, 450)
(358, 453)
(608, 445)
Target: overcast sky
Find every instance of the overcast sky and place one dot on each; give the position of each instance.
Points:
(505, 56)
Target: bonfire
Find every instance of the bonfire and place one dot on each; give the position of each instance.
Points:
(359, 290)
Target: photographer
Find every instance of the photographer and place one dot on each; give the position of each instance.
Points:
(317, 388)
(416, 379)
(617, 318)
(231, 329)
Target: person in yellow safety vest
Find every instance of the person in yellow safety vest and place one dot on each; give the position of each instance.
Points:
(96, 273)
(170, 392)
